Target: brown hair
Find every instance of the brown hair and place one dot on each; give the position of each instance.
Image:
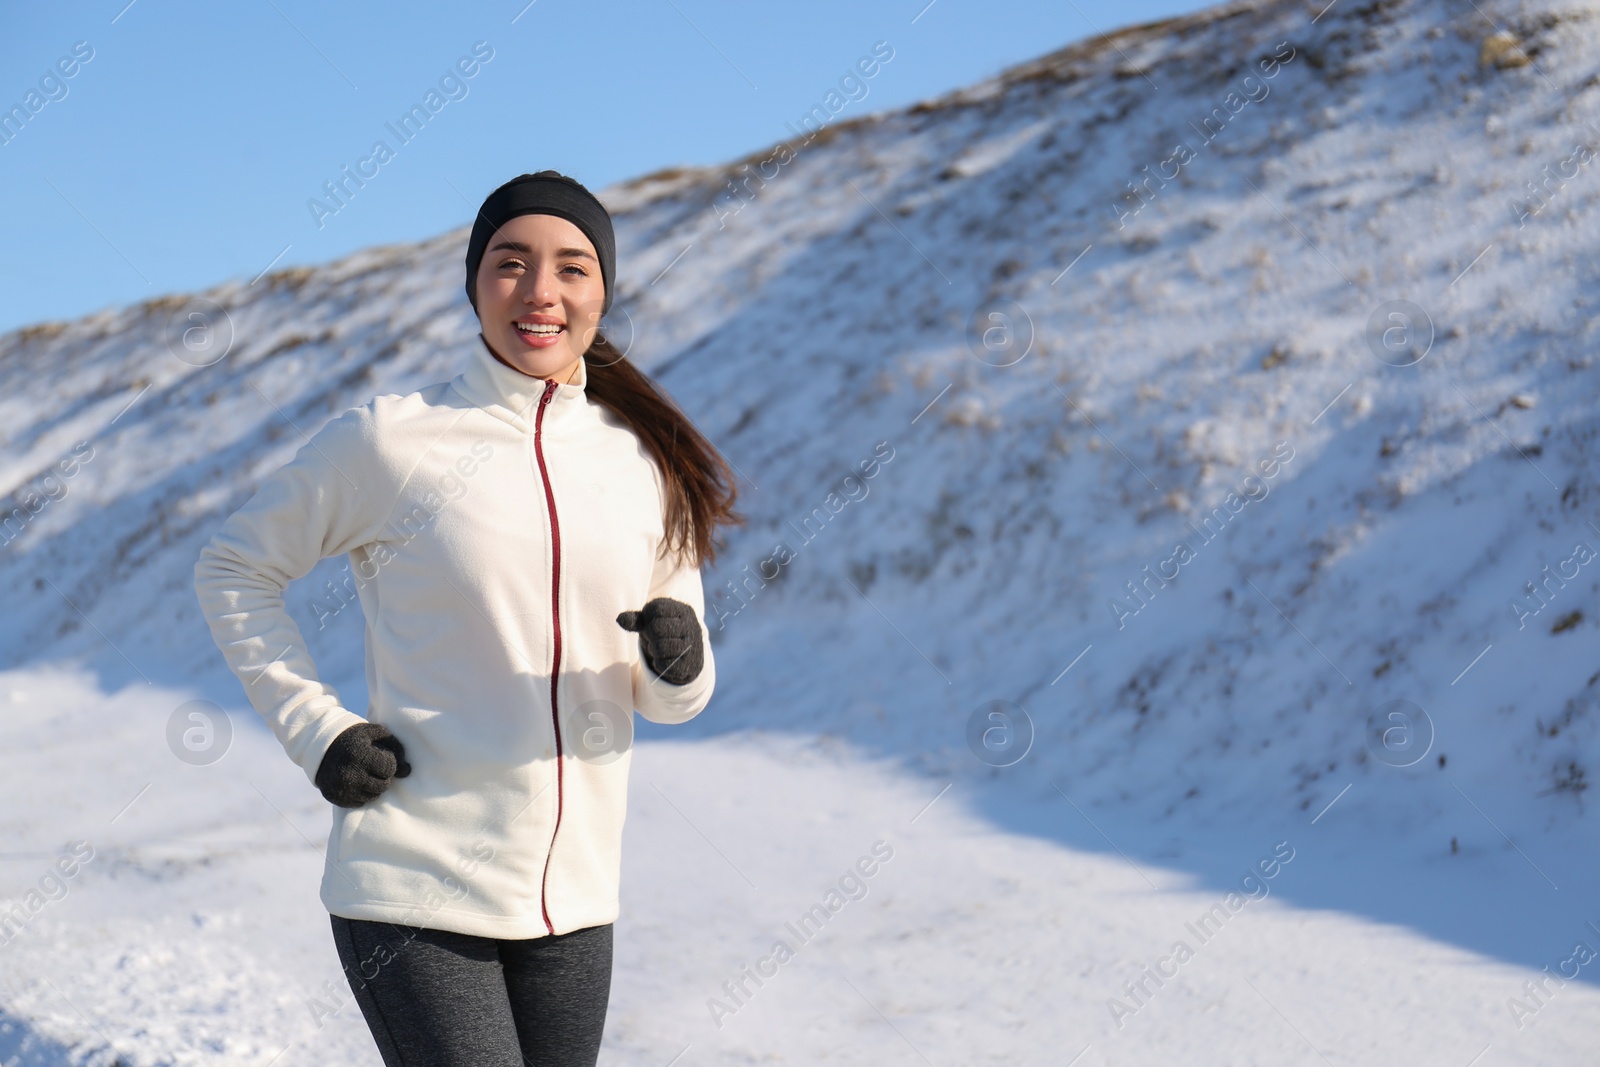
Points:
(700, 485)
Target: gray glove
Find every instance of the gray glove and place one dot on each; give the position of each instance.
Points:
(360, 763)
(669, 634)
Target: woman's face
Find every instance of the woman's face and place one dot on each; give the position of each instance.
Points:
(540, 271)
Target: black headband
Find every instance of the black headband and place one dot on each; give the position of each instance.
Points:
(544, 193)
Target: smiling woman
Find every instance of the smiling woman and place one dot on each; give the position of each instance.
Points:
(508, 645)
(540, 292)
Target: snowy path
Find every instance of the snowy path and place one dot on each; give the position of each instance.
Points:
(1418, 490)
(194, 935)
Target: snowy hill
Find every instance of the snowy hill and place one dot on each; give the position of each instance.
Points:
(1231, 387)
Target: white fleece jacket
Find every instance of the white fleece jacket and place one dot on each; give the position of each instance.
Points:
(496, 524)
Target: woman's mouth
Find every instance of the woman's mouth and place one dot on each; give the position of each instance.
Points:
(538, 334)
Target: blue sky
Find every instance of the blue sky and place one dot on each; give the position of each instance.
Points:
(189, 139)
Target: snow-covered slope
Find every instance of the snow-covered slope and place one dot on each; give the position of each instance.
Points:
(1305, 290)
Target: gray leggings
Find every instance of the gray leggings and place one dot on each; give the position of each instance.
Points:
(433, 998)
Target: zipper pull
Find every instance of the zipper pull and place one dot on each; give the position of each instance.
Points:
(549, 391)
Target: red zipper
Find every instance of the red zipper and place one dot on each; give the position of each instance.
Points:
(555, 615)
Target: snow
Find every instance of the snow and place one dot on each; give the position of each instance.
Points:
(1359, 531)
(997, 930)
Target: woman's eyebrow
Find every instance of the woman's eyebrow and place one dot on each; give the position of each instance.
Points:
(561, 253)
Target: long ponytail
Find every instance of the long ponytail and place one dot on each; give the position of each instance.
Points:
(700, 484)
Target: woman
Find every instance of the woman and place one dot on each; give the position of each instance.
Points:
(510, 532)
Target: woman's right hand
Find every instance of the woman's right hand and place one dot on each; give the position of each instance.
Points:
(360, 763)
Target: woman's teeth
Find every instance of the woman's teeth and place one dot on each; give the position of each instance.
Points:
(539, 328)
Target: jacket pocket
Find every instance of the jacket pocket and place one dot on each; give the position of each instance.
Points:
(347, 822)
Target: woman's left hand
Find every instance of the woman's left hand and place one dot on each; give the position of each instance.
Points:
(669, 633)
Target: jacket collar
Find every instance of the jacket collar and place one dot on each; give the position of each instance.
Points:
(509, 394)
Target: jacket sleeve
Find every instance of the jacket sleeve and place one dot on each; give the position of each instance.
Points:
(324, 502)
(658, 700)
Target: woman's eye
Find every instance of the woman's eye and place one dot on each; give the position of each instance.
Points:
(573, 266)
(511, 263)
